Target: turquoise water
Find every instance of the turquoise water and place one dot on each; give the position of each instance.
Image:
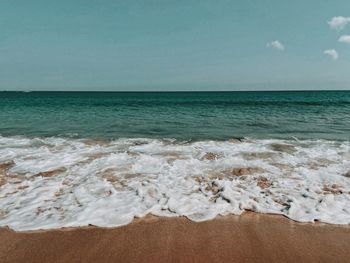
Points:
(181, 115)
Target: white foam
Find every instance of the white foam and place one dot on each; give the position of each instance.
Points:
(109, 183)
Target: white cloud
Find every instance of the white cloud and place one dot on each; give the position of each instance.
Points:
(345, 39)
(339, 22)
(332, 53)
(276, 44)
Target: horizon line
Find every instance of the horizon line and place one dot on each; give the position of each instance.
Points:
(169, 91)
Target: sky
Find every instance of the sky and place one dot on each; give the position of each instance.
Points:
(160, 45)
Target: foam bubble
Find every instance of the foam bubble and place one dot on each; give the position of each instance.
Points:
(57, 182)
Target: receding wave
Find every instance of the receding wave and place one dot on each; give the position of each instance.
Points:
(60, 182)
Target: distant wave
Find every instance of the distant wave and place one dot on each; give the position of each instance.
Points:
(218, 103)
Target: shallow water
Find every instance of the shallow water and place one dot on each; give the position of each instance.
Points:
(56, 182)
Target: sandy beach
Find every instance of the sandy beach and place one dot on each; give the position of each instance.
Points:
(248, 238)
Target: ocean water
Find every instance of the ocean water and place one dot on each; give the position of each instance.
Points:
(184, 115)
(78, 158)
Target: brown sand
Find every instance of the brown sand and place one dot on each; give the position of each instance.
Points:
(247, 238)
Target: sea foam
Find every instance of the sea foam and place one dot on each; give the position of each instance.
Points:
(59, 182)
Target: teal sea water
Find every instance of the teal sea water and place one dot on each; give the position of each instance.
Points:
(180, 115)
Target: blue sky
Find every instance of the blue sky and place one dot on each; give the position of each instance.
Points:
(173, 45)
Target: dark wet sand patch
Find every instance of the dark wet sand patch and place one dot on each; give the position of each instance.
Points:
(51, 172)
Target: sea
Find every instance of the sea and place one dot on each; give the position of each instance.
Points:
(70, 159)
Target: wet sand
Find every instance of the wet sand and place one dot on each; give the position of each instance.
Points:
(247, 238)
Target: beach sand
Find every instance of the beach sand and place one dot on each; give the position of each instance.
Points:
(248, 238)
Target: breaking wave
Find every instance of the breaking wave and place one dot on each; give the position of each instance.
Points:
(59, 182)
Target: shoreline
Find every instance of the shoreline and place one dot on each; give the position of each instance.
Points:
(79, 182)
(251, 237)
(150, 218)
